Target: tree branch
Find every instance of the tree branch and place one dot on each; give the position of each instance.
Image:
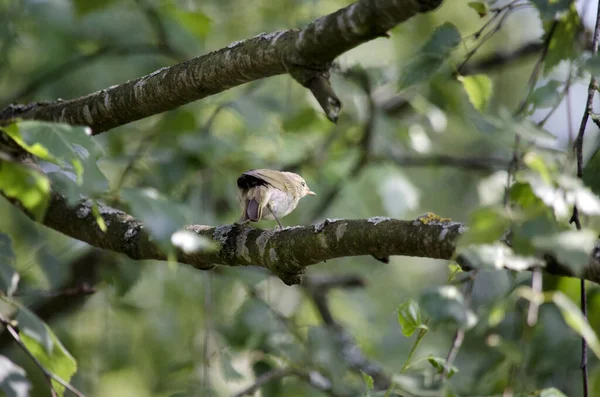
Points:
(313, 378)
(288, 252)
(305, 54)
(317, 289)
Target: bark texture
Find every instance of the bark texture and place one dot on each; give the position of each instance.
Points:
(305, 54)
(288, 252)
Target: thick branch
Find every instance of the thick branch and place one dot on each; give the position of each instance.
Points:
(285, 252)
(305, 54)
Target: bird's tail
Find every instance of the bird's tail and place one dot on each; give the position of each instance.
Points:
(255, 200)
(253, 210)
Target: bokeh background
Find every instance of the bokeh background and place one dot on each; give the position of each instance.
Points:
(158, 329)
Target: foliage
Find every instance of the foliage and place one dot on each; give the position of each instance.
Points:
(151, 329)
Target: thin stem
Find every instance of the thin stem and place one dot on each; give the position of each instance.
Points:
(536, 285)
(537, 68)
(208, 305)
(420, 336)
(460, 333)
(49, 375)
(266, 378)
(584, 355)
(578, 147)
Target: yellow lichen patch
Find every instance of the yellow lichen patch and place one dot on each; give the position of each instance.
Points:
(431, 217)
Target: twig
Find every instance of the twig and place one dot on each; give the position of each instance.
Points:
(533, 78)
(262, 380)
(325, 282)
(505, 12)
(73, 293)
(512, 168)
(534, 306)
(49, 375)
(208, 306)
(313, 378)
(460, 332)
(420, 336)
(79, 290)
(578, 146)
(352, 354)
(564, 93)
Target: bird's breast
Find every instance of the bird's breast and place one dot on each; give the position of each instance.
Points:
(281, 203)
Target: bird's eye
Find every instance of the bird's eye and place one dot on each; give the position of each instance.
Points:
(303, 184)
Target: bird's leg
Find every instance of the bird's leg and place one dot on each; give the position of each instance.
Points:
(243, 222)
(275, 216)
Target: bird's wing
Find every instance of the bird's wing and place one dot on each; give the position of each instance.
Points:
(260, 177)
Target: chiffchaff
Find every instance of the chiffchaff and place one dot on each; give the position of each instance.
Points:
(278, 192)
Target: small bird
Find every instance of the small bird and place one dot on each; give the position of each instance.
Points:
(277, 191)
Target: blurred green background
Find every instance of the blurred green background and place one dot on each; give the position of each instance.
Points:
(156, 329)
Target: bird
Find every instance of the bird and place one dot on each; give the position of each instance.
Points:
(269, 194)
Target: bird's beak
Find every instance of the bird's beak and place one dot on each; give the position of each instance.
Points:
(311, 193)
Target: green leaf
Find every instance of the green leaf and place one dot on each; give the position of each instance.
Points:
(71, 151)
(578, 194)
(479, 90)
(571, 248)
(550, 10)
(480, 7)
(551, 392)
(537, 225)
(443, 41)
(563, 42)
(547, 95)
(45, 346)
(28, 186)
(229, 373)
(591, 170)
(409, 317)
(496, 256)
(439, 364)
(569, 192)
(13, 381)
(446, 304)
(536, 162)
(34, 148)
(575, 319)
(83, 7)
(368, 379)
(487, 225)
(522, 195)
(9, 278)
(524, 127)
(431, 56)
(592, 65)
(195, 22)
(497, 314)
